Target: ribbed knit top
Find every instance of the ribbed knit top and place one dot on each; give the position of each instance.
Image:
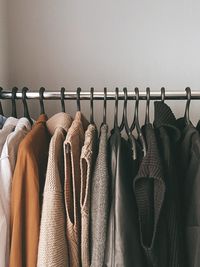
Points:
(72, 152)
(171, 249)
(53, 249)
(149, 188)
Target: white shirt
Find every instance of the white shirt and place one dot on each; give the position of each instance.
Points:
(7, 165)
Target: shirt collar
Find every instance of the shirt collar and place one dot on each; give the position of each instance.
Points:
(11, 121)
(59, 120)
(23, 123)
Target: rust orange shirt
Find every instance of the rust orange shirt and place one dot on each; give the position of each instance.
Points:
(26, 195)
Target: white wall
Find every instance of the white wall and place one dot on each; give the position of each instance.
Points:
(105, 43)
(4, 48)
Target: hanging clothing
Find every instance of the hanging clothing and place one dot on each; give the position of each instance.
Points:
(26, 195)
(88, 156)
(149, 188)
(189, 168)
(198, 126)
(123, 244)
(7, 165)
(171, 252)
(2, 121)
(72, 152)
(100, 201)
(53, 250)
(8, 127)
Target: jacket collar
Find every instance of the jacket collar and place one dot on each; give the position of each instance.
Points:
(164, 117)
(59, 120)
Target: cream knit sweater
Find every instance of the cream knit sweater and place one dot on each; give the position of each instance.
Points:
(53, 249)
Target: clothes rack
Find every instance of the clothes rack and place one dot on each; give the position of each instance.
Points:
(97, 95)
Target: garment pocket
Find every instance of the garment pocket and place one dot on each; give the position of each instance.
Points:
(193, 245)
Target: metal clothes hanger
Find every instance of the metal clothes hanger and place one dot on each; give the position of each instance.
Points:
(1, 108)
(78, 91)
(116, 108)
(91, 106)
(187, 108)
(147, 117)
(62, 98)
(126, 126)
(26, 111)
(104, 105)
(136, 123)
(41, 93)
(116, 112)
(14, 108)
(163, 94)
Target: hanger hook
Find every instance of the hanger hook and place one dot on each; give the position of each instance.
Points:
(91, 105)
(125, 103)
(104, 105)
(78, 91)
(137, 102)
(14, 108)
(1, 109)
(116, 107)
(163, 94)
(24, 97)
(62, 97)
(147, 119)
(135, 109)
(41, 93)
(187, 109)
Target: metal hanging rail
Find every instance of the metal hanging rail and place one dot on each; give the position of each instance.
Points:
(97, 95)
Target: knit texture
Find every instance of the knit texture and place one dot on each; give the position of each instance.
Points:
(88, 156)
(53, 249)
(100, 201)
(72, 152)
(149, 188)
(170, 236)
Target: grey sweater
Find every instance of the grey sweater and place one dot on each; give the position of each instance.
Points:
(100, 202)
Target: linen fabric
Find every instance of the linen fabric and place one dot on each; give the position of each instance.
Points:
(72, 152)
(100, 201)
(26, 195)
(7, 165)
(53, 250)
(8, 127)
(88, 156)
(123, 243)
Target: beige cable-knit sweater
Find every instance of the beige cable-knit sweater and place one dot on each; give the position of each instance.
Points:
(53, 249)
(88, 156)
(72, 151)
